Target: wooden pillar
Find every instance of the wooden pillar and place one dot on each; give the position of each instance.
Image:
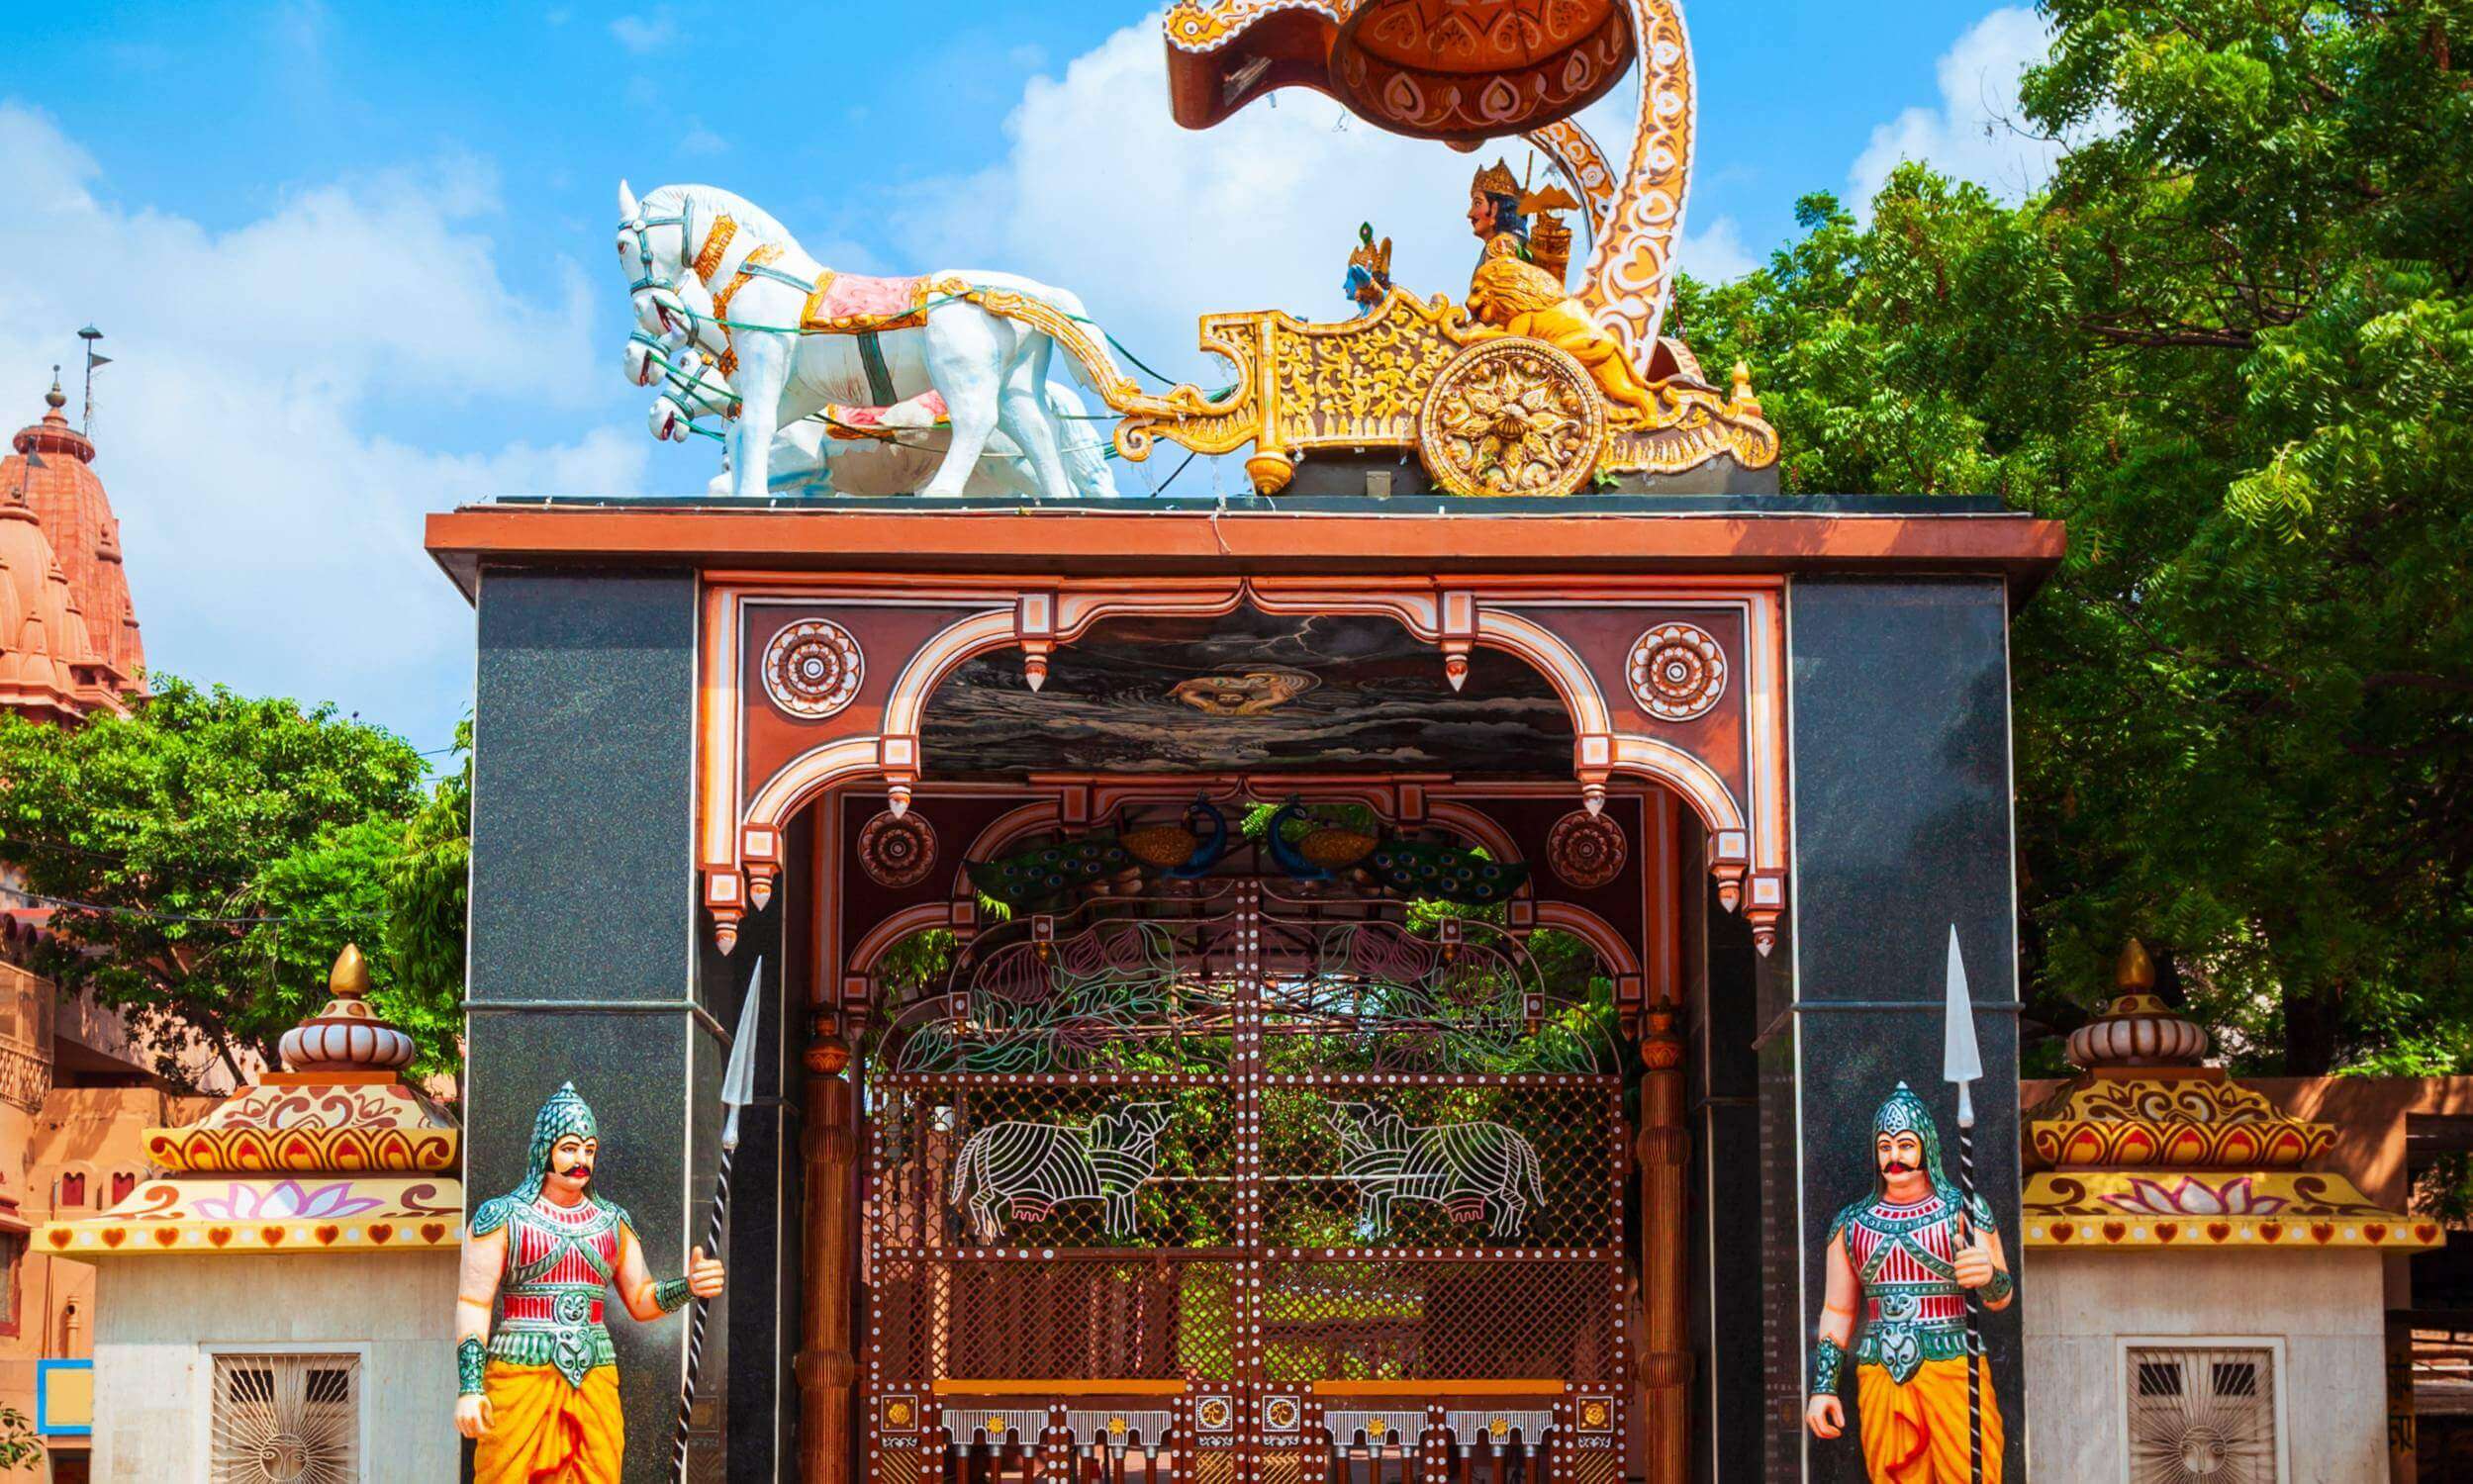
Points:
(825, 1365)
(1666, 1365)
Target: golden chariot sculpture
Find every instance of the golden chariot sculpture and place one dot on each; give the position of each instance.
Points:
(1525, 388)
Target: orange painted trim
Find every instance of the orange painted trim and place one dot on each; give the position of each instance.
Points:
(1532, 1386)
(1165, 542)
(1060, 1388)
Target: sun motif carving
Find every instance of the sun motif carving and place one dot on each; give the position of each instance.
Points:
(897, 850)
(1677, 672)
(811, 669)
(1263, 687)
(1512, 417)
(1214, 1414)
(1585, 849)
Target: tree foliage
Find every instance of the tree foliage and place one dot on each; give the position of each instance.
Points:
(2231, 344)
(216, 852)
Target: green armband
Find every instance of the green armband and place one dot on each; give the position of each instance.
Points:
(670, 1295)
(1827, 1357)
(1999, 1289)
(471, 1356)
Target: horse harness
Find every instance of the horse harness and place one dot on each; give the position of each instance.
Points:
(758, 263)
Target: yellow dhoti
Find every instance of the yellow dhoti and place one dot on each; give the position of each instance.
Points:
(1917, 1433)
(543, 1430)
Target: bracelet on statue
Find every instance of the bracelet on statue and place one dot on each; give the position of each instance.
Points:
(1827, 1356)
(471, 1358)
(1999, 1289)
(670, 1295)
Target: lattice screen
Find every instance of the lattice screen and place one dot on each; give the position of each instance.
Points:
(2202, 1416)
(285, 1419)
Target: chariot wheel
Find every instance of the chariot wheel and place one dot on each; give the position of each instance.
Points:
(1511, 417)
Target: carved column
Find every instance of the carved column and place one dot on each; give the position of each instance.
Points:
(1665, 1362)
(825, 1368)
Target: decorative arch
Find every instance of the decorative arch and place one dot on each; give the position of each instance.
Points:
(1614, 949)
(879, 940)
(1732, 776)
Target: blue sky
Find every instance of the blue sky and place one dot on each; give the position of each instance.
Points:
(355, 261)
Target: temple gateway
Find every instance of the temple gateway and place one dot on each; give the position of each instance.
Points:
(1490, 957)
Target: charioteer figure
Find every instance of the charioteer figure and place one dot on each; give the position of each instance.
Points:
(541, 1394)
(1911, 1253)
(1518, 291)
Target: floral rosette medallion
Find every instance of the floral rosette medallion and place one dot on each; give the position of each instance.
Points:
(1677, 672)
(811, 669)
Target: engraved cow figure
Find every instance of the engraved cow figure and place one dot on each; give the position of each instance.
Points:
(1042, 1165)
(1461, 1167)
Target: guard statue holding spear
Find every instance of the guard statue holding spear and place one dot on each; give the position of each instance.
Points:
(541, 1394)
(1917, 1255)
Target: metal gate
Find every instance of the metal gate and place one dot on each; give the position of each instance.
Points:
(1228, 1189)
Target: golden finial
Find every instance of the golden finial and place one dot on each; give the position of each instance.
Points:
(349, 977)
(2135, 973)
(1743, 402)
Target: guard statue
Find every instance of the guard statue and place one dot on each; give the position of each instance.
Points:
(541, 1394)
(1912, 1253)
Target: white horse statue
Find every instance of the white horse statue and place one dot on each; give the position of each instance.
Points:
(709, 269)
(806, 457)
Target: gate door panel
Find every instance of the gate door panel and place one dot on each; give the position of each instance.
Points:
(1242, 1192)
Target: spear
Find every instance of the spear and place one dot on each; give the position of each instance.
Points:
(738, 1088)
(1961, 1062)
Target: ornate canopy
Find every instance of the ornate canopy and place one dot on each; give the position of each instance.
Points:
(338, 1154)
(2148, 1150)
(1460, 70)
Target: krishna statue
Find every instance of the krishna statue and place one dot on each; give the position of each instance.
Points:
(541, 1394)
(1914, 1255)
(1518, 288)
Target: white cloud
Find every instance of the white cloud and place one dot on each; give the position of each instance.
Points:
(644, 35)
(1099, 191)
(1976, 134)
(699, 140)
(1715, 253)
(272, 534)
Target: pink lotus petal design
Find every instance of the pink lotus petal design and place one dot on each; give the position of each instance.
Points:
(287, 1201)
(2195, 1197)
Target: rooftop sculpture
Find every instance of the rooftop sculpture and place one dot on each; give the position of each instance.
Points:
(1528, 387)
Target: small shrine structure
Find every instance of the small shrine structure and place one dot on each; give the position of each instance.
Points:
(2210, 1300)
(274, 1306)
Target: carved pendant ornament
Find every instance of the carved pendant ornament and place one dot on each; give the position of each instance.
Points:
(812, 668)
(1677, 672)
(897, 851)
(1586, 851)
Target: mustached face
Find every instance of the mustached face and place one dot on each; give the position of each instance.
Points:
(571, 1161)
(1898, 1155)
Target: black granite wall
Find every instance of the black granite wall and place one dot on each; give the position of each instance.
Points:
(1727, 1269)
(585, 932)
(1900, 725)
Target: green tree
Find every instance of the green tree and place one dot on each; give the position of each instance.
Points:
(427, 908)
(19, 1448)
(214, 853)
(2232, 345)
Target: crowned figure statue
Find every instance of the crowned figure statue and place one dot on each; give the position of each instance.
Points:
(541, 1394)
(1513, 294)
(1911, 1253)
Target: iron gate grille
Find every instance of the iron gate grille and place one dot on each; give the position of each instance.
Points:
(1207, 1192)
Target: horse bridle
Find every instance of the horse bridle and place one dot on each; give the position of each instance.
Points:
(652, 280)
